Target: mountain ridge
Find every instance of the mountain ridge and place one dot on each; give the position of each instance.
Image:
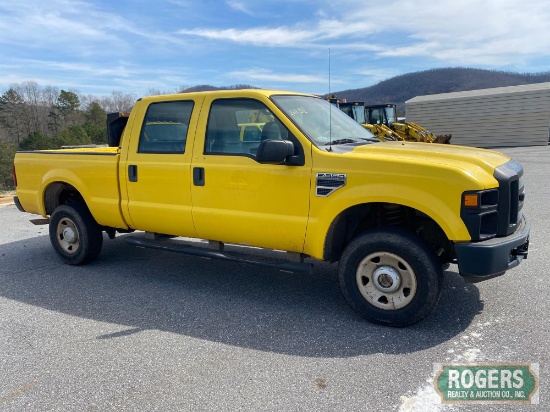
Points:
(401, 88)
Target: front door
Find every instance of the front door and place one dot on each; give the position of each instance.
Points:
(235, 198)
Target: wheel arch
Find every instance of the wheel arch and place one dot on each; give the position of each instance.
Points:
(59, 193)
(355, 220)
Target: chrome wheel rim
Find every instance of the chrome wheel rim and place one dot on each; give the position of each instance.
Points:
(386, 281)
(67, 236)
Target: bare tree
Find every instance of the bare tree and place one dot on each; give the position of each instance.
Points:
(86, 100)
(153, 92)
(123, 102)
(50, 95)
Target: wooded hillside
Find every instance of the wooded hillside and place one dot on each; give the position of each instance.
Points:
(34, 117)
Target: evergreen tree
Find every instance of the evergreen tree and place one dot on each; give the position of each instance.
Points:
(72, 136)
(38, 141)
(96, 123)
(11, 111)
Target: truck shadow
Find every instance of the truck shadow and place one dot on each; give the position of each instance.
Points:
(235, 304)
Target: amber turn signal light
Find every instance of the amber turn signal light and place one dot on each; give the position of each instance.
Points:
(471, 200)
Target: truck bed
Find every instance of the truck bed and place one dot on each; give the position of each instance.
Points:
(93, 172)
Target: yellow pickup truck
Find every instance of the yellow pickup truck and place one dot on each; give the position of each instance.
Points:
(307, 180)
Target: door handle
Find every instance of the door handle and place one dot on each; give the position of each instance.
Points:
(198, 176)
(132, 173)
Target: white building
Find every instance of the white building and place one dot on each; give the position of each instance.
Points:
(498, 117)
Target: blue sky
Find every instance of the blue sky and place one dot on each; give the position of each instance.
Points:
(97, 47)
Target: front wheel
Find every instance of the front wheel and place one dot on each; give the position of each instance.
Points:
(390, 277)
(74, 234)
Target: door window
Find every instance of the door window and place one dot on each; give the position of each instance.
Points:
(165, 127)
(238, 126)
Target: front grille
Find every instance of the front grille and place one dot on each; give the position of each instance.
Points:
(511, 195)
(514, 202)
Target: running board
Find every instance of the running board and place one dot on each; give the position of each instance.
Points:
(179, 247)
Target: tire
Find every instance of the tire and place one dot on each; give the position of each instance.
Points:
(390, 277)
(74, 234)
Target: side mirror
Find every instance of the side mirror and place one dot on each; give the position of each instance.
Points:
(274, 151)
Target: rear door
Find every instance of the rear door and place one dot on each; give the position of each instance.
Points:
(157, 172)
(235, 198)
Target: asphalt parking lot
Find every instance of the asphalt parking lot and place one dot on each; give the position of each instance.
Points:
(144, 330)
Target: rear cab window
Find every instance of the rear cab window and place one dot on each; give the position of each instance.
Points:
(165, 127)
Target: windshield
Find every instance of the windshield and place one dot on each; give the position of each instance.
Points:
(322, 123)
(356, 112)
(390, 115)
(359, 114)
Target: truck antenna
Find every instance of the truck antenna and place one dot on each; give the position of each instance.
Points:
(330, 108)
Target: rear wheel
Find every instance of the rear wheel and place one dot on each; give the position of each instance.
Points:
(390, 277)
(74, 234)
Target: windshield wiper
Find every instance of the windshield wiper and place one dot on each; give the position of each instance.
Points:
(341, 141)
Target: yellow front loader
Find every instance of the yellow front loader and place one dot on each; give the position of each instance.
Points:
(382, 122)
(386, 115)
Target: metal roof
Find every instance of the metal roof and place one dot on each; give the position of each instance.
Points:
(482, 92)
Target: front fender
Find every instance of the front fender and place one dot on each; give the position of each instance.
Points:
(443, 208)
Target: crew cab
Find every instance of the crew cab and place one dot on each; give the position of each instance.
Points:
(290, 172)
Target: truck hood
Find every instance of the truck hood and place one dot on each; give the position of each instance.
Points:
(466, 158)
